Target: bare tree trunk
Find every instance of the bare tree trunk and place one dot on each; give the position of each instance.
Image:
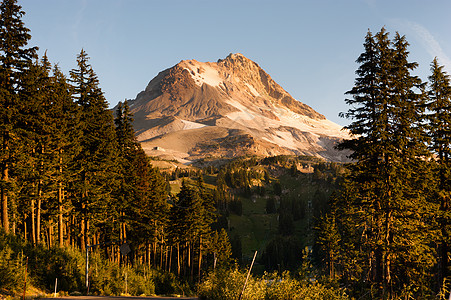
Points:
(25, 229)
(4, 192)
(148, 254)
(33, 224)
(190, 262)
(161, 255)
(13, 228)
(166, 251)
(60, 216)
(38, 218)
(82, 232)
(178, 259)
(5, 221)
(50, 234)
(200, 256)
(170, 259)
(60, 202)
(154, 254)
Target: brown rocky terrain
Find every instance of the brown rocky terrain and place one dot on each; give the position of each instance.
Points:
(226, 109)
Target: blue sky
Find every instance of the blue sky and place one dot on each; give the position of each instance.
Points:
(308, 47)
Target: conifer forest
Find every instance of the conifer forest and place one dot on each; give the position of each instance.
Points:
(76, 185)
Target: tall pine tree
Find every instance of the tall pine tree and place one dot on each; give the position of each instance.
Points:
(95, 160)
(15, 59)
(439, 105)
(388, 207)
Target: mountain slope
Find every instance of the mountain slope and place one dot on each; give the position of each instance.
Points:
(229, 108)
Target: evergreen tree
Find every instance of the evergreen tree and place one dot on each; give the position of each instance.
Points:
(95, 161)
(439, 105)
(221, 248)
(329, 241)
(190, 226)
(390, 176)
(141, 188)
(15, 59)
(37, 133)
(67, 136)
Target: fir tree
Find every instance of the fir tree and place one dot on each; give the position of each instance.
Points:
(390, 176)
(439, 105)
(15, 59)
(95, 160)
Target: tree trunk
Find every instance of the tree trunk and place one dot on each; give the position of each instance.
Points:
(60, 202)
(60, 219)
(4, 196)
(154, 254)
(38, 220)
(33, 223)
(170, 259)
(25, 229)
(13, 228)
(148, 254)
(82, 232)
(161, 255)
(178, 259)
(200, 256)
(60, 216)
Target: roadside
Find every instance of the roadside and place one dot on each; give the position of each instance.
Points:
(120, 298)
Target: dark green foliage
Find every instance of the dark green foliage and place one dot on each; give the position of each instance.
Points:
(286, 219)
(221, 248)
(236, 206)
(277, 188)
(286, 223)
(283, 253)
(12, 264)
(237, 248)
(271, 206)
(43, 266)
(328, 240)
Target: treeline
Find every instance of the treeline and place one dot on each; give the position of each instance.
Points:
(387, 234)
(72, 173)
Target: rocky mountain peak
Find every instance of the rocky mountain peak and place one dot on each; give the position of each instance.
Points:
(196, 109)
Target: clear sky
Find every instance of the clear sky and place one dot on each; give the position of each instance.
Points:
(309, 47)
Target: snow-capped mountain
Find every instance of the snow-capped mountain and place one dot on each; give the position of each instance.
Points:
(225, 109)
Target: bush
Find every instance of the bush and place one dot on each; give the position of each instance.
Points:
(167, 284)
(12, 271)
(224, 284)
(68, 265)
(227, 284)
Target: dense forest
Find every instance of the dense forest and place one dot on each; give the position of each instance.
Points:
(77, 189)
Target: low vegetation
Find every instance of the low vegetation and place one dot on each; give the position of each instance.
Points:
(228, 284)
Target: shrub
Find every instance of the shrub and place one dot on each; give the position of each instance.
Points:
(12, 271)
(224, 284)
(227, 285)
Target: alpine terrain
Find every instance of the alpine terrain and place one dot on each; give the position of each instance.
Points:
(230, 108)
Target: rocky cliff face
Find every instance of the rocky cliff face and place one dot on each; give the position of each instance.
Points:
(225, 109)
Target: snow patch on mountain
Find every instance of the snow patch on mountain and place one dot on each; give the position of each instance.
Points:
(253, 90)
(202, 73)
(192, 125)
